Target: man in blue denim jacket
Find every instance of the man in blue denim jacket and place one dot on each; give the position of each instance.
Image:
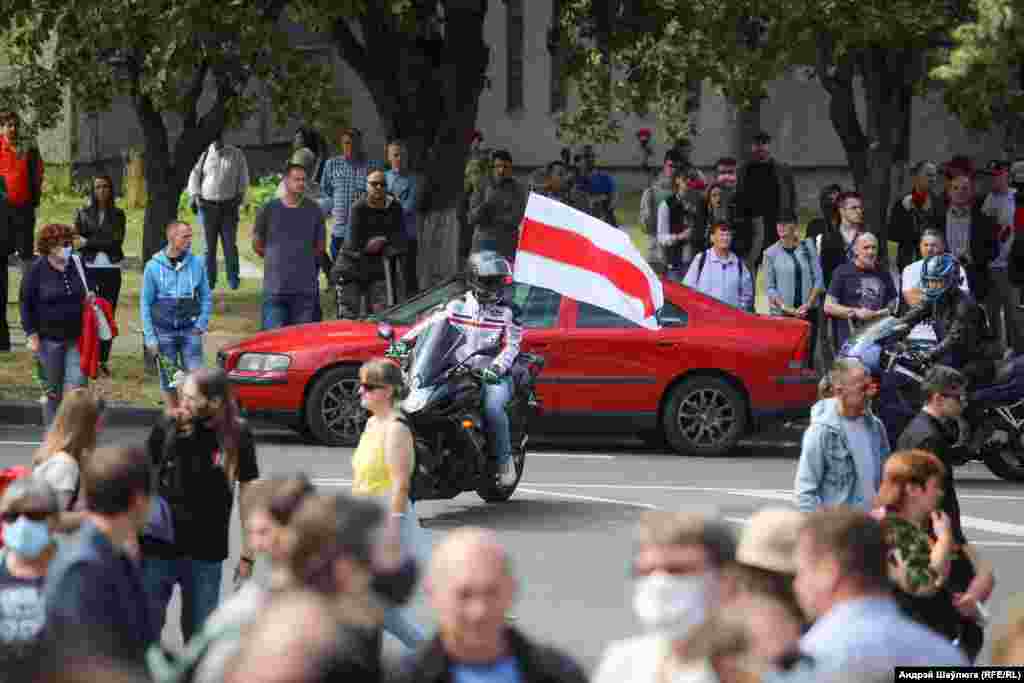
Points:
(176, 304)
(844, 448)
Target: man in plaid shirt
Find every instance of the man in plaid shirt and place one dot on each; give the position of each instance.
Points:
(344, 181)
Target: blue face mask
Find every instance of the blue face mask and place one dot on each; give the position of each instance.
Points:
(27, 538)
(66, 253)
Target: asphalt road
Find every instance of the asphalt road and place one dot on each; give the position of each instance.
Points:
(569, 525)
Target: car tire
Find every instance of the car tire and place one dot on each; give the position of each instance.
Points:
(704, 416)
(333, 412)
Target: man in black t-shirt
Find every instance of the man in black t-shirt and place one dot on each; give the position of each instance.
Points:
(860, 292)
(198, 455)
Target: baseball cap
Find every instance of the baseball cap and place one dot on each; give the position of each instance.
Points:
(769, 540)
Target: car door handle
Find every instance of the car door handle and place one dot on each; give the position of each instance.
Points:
(665, 342)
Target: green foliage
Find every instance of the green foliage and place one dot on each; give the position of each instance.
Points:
(260, 193)
(983, 89)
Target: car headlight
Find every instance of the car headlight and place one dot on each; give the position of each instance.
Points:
(416, 399)
(263, 362)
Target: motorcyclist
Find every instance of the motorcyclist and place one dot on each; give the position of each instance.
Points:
(486, 321)
(960, 323)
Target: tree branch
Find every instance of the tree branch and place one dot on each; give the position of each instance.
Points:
(194, 92)
(837, 79)
(350, 49)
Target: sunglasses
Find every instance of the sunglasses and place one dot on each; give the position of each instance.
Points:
(377, 183)
(34, 515)
(366, 386)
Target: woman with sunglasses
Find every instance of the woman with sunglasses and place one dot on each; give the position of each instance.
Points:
(53, 295)
(29, 512)
(382, 467)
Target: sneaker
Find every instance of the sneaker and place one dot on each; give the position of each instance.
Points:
(507, 474)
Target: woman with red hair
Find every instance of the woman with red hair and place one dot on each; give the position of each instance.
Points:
(53, 295)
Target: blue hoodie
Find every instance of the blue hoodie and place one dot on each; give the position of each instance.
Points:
(174, 299)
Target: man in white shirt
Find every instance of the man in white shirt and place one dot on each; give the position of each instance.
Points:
(217, 189)
(720, 274)
(932, 244)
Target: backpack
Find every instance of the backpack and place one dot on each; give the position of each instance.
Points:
(7, 475)
(739, 264)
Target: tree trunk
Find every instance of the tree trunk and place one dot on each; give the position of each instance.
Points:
(426, 89)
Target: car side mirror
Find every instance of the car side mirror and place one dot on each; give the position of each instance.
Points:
(385, 331)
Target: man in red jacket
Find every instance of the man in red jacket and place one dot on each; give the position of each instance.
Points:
(22, 170)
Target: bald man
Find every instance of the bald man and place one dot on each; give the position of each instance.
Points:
(471, 587)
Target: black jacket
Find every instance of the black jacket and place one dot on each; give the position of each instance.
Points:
(929, 434)
(106, 236)
(961, 326)
(537, 663)
(983, 248)
(907, 222)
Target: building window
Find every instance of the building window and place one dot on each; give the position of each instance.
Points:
(515, 27)
(558, 82)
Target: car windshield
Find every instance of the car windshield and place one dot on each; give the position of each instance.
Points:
(408, 312)
(434, 353)
(873, 333)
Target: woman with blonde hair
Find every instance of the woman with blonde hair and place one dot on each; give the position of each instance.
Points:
(382, 468)
(70, 439)
(921, 547)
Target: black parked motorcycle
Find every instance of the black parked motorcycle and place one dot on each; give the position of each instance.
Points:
(444, 411)
(992, 426)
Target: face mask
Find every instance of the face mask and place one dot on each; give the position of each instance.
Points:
(673, 605)
(396, 586)
(27, 538)
(65, 253)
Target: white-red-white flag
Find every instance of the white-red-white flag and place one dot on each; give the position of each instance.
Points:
(575, 254)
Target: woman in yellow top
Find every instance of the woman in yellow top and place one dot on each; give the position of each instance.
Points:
(382, 468)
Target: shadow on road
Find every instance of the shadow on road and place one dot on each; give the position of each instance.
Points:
(531, 515)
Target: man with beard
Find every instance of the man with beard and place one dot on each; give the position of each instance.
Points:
(199, 453)
(860, 292)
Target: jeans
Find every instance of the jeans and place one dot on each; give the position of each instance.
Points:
(496, 397)
(182, 348)
(62, 365)
(336, 242)
(200, 589)
(398, 621)
(281, 310)
(221, 221)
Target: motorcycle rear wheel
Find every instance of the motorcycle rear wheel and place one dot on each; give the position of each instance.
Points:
(493, 493)
(1006, 463)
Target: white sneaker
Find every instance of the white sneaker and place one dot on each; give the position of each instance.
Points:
(507, 474)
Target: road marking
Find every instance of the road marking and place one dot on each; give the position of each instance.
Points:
(582, 456)
(996, 527)
(595, 499)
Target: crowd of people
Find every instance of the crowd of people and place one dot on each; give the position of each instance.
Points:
(95, 539)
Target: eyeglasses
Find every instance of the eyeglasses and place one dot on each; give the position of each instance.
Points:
(34, 515)
(366, 386)
(376, 183)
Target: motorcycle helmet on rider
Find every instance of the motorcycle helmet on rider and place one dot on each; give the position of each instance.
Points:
(487, 275)
(939, 274)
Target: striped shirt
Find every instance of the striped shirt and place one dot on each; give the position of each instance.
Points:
(344, 181)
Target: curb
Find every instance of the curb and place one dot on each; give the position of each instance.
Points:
(115, 414)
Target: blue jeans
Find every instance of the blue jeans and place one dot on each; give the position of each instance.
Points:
(62, 366)
(184, 349)
(280, 310)
(220, 221)
(398, 621)
(336, 242)
(496, 397)
(200, 589)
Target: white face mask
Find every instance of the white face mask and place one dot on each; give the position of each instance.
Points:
(672, 605)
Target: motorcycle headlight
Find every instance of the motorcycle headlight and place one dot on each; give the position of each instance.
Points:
(416, 399)
(263, 362)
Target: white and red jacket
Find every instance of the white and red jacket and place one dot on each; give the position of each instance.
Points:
(484, 325)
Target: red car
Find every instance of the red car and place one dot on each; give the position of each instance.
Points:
(698, 383)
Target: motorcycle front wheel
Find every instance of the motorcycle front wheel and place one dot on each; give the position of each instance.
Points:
(1004, 454)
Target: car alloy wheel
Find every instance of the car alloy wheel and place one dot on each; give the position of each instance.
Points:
(333, 411)
(704, 416)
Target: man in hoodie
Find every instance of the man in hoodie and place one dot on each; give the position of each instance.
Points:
(651, 200)
(376, 230)
(176, 304)
(844, 447)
